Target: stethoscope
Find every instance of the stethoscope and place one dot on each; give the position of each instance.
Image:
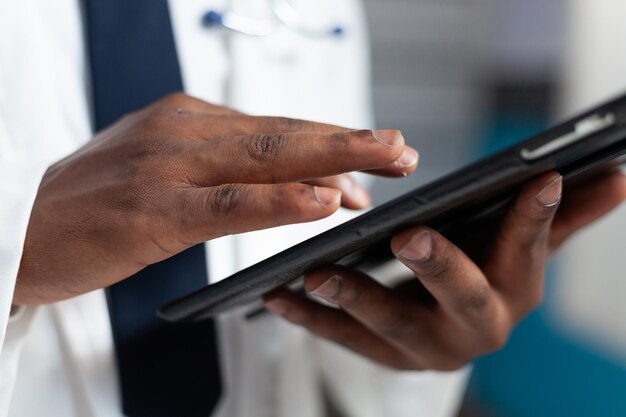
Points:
(285, 15)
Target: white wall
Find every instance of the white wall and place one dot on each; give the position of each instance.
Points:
(591, 288)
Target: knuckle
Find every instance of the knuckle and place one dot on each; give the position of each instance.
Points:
(535, 217)
(341, 141)
(396, 328)
(438, 268)
(174, 99)
(156, 110)
(477, 300)
(264, 148)
(301, 317)
(178, 212)
(540, 218)
(350, 295)
(157, 120)
(168, 116)
(226, 198)
(391, 331)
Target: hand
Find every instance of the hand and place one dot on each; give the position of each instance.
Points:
(460, 309)
(181, 172)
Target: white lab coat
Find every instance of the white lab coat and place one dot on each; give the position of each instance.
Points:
(58, 360)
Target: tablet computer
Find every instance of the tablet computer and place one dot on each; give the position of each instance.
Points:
(579, 148)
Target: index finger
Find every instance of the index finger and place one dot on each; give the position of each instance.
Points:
(209, 126)
(263, 159)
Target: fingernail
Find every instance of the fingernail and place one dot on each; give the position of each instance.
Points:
(408, 159)
(418, 249)
(327, 196)
(328, 289)
(551, 195)
(276, 306)
(387, 137)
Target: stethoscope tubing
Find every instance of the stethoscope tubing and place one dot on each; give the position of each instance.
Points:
(284, 15)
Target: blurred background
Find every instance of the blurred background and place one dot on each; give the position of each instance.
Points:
(462, 78)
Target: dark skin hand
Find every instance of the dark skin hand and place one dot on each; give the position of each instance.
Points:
(459, 309)
(182, 172)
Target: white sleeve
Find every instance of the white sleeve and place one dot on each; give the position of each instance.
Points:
(19, 181)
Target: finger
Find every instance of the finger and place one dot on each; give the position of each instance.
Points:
(241, 125)
(585, 204)
(353, 195)
(206, 126)
(335, 325)
(455, 281)
(292, 157)
(204, 213)
(248, 125)
(517, 260)
(404, 166)
(273, 124)
(390, 315)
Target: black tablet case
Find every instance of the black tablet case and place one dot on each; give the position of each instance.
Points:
(465, 196)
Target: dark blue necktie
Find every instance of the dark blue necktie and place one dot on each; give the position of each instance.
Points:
(166, 370)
